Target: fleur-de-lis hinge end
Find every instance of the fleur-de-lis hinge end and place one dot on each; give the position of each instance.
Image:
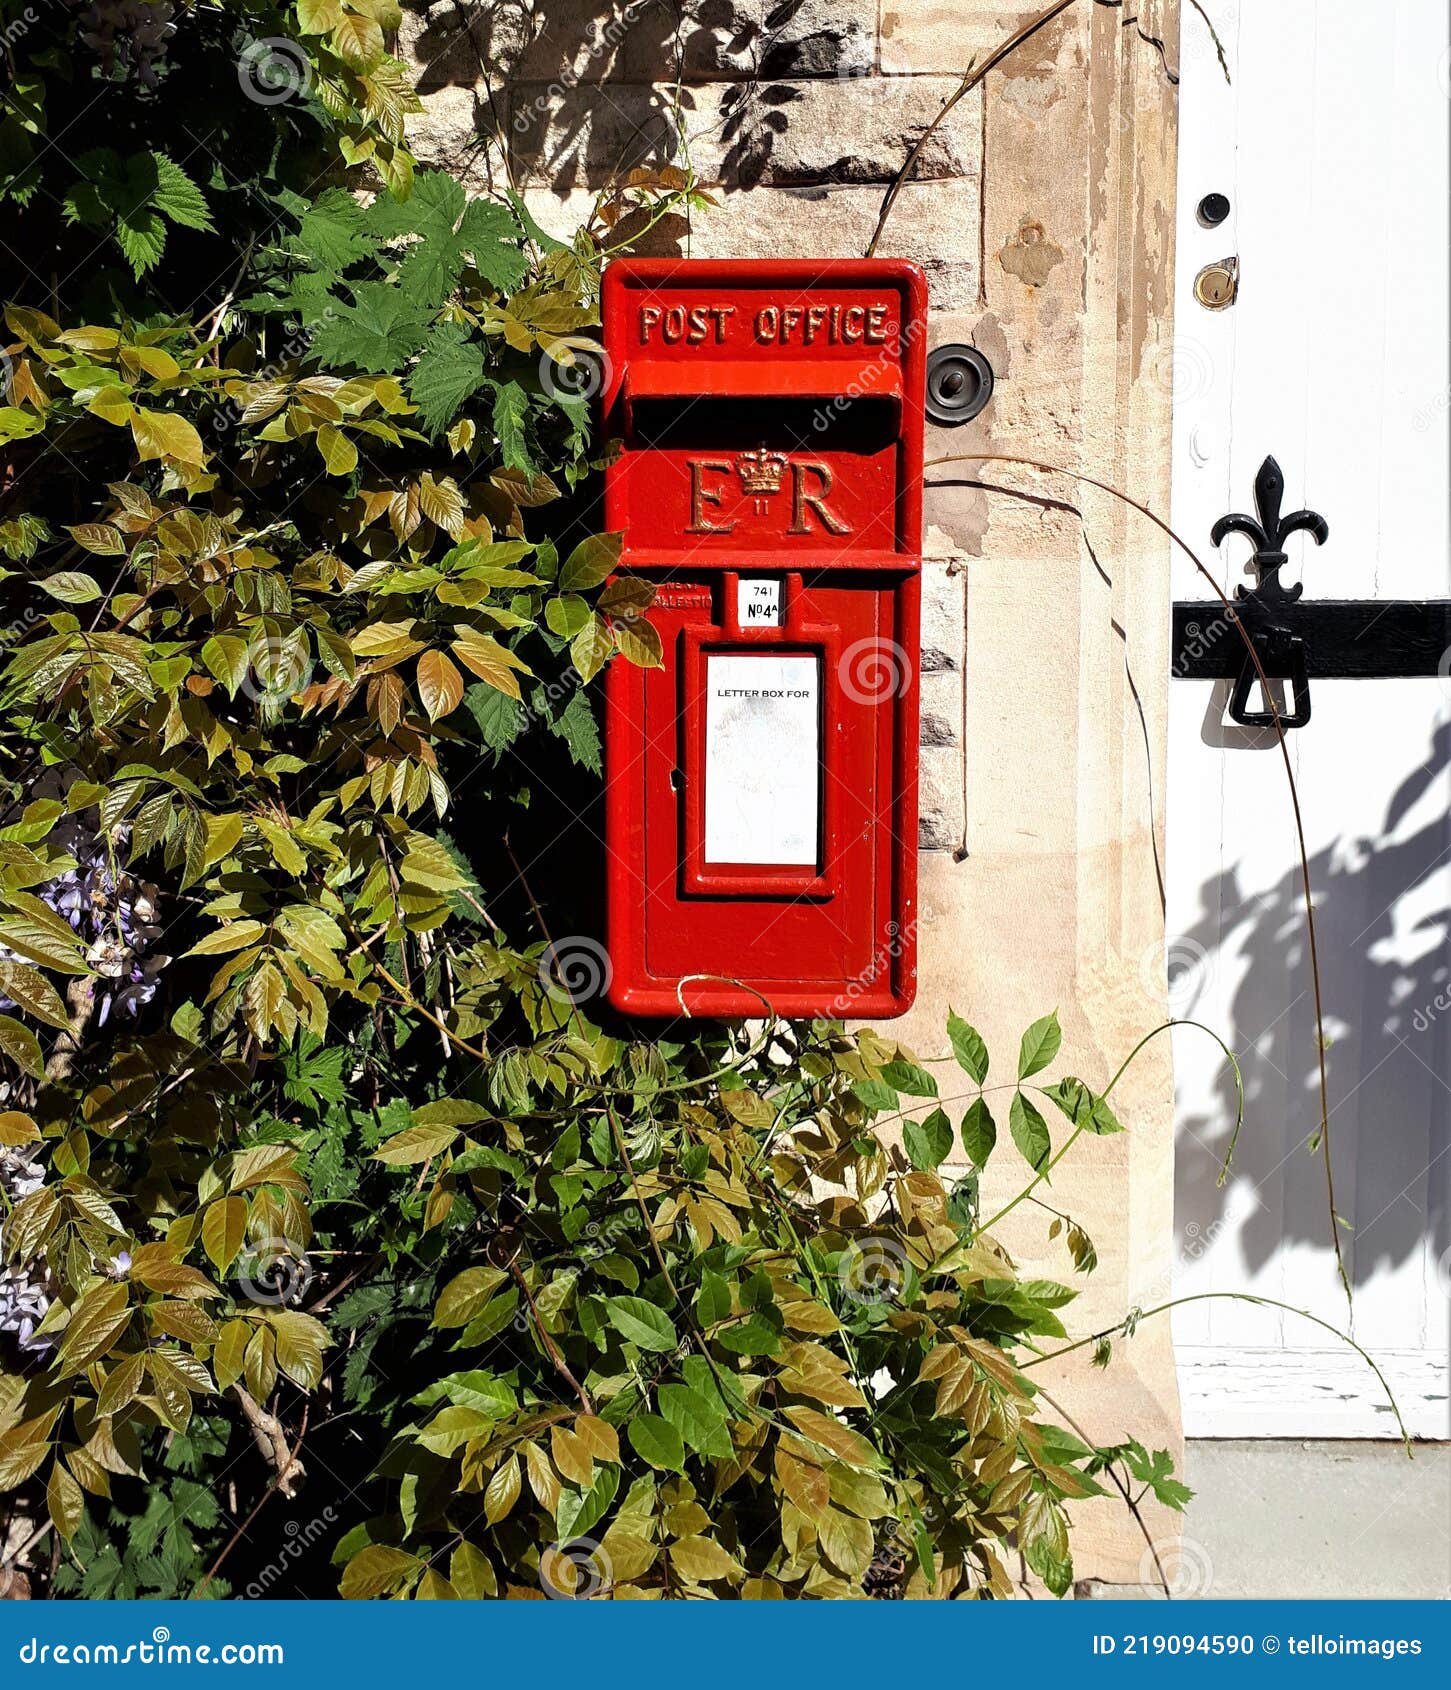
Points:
(1269, 533)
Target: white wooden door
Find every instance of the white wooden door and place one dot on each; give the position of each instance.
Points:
(1331, 143)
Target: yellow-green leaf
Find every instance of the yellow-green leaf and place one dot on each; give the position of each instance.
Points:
(338, 452)
(415, 1144)
(440, 685)
(301, 1341)
(494, 664)
(96, 1323)
(65, 1501)
(70, 586)
(224, 1230)
(377, 1571)
(591, 648)
(590, 562)
(158, 434)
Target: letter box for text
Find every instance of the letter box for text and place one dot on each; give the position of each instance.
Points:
(761, 786)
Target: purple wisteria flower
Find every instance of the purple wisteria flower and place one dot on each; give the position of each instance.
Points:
(131, 33)
(115, 914)
(24, 1298)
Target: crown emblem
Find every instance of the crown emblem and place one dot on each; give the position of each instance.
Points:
(761, 473)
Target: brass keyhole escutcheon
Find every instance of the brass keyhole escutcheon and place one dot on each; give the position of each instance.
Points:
(1217, 285)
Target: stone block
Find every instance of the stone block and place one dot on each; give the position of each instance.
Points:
(457, 130)
(935, 223)
(729, 39)
(940, 801)
(570, 42)
(743, 134)
(446, 43)
(943, 37)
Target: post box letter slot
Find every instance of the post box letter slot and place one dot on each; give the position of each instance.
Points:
(763, 759)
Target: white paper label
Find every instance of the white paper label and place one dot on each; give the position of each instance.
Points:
(758, 604)
(762, 759)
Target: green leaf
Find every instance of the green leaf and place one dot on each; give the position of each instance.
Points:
(141, 235)
(576, 726)
(330, 231)
(714, 1302)
(759, 1334)
(877, 1095)
(160, 434)
(71, 587)
(64, 1501)
(1157, 1471)
(359, 42)
(1030, 1131)
(224, 1231)
(591, 562)
(511, 413)
(379, 332)
(1072, 1097)
(377, 1570)
(1102, 1120)
(466, 1296)
(1040, 1045)
(22, 1047)
(699, 1421)
(566, 615)
(477, 1388)
(339, 454)
(967, 1047)
(415, 1144)
(301, 1340)
(175, 195)
(579, 1512)
(979, 1133)
(642, 1323)
(928, 1142)
(29, 988)
(96, 1322)
(226, 657)
(488, 234)
(655, 1440)
(907, 1077)
(450, 371)
(500, 719)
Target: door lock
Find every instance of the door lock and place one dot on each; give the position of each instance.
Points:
(1216, 287)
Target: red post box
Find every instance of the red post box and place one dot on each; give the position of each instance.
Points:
(761, 786)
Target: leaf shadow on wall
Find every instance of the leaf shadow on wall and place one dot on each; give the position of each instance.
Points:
(579, 93)
(1382, 920)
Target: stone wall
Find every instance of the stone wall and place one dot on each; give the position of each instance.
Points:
(1042, 212)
